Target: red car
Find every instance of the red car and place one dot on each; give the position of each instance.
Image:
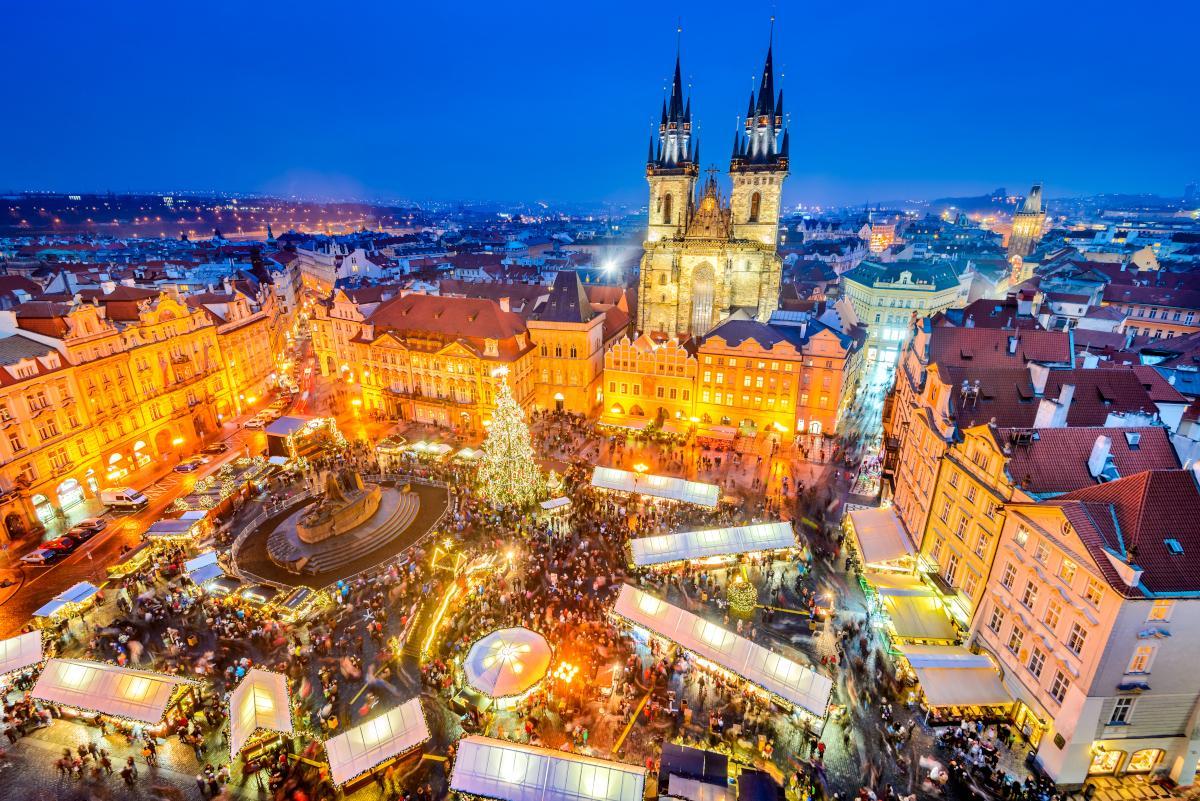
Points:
(61, 544)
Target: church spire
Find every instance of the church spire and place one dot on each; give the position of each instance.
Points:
(676, 150)
(764, 120)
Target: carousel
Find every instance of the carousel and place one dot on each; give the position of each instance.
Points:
(507, 664)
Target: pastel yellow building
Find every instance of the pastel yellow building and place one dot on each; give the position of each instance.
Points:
(649, 379)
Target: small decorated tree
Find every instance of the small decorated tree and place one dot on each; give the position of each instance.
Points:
(509, 475)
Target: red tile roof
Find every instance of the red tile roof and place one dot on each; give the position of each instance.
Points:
(1055, 460)
(988, 347)
(1137, 515)
(447, 320)
(1153, 296)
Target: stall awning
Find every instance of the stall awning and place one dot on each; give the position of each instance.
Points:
(286, 426)
(99, 687)
(692, 790)
(260, 701)
(723, 433)
(632, 423)
(777, 674)
(555, 503)
(469, 454)
(917, 617)
(203, 568)
(950, 675)
(278, 461)
(18, 653)
(675, 489)
(712, 542)
(171, 529)
(357, 750)
(75, 594)
(509, 771)
(879, 535)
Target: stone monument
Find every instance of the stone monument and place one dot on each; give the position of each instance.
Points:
(347, 504)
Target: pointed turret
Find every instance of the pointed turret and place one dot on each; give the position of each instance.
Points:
(650, 154)
(764, 121)
(675, 126)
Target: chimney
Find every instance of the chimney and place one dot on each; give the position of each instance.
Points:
(107, 287)
(1064, 405)
(1038, 373)
(1099, 458)
(504, 304)
(1012, 345)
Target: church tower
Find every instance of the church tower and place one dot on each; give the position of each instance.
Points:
(760, 163)
(672, 164)
(707, 258)
(1027, 224)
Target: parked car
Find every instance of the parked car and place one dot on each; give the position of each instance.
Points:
(42, 556)
(63, 544)
(189, 465)
(216, 448)
(254, 422)
(92, 523)
(82, 533)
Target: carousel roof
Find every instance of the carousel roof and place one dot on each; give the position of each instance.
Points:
(507, 662)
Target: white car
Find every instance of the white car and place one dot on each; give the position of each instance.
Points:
(42, 556)
(255, 422)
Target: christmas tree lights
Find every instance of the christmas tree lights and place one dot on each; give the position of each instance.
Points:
(509, 475)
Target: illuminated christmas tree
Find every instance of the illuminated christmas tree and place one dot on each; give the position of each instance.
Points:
(509, 475)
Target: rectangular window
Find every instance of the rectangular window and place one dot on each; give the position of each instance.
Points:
(707, 376)
(1143, 655)
(951, 568)
(1053, 613)
(674, 393)
(1015, 638)
(745, 381)
(687, 394)
(936, 550)
(1161, 610)
(1058, 687)
(953, 478)
(1041, 552)
(704, 396)
(1122, 712)
(1066, 571)
(660, 391)
(1036, 660)
(1022, 536)
(981, 545)
(1094, 592)
(997, 619)
(970, 583)
(960, 530)
(1076, 638)
(1009, 577)
(1029, 597)
(972, 491)
(944, 515)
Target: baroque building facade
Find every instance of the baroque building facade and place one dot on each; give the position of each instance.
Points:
(707, 257)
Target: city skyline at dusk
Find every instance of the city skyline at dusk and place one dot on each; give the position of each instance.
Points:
(546, 103)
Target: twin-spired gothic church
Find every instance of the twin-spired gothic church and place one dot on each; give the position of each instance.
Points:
(708, 257)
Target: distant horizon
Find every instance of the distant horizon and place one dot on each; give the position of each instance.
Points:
(556, 103)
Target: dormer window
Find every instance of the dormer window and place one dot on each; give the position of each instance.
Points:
(491, 347)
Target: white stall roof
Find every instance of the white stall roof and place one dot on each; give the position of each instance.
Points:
(20, 652)
(917, 616)
(260, 701)
(203, 568)
(879, 535)
(789, 680)
(99, 687)
(510, 771)
(469, 454)
(675, 489)
(555, 503)
(286, 426)
(76, 594)
(950, 675)
(712, 542)
(357, 750)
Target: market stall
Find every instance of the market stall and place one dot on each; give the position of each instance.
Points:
(957, 684)
(879, 539)
(469, 455)
(91, 687)
(177, 530)
(507, 664)
(298, 437)
(796, 685)
(20, 652)
(370, 745)
(509, 771)
(910, 610)
(73, 600)
(133, 561)
(668, 487)
(259, 711)
(203, 568)
(712, 546)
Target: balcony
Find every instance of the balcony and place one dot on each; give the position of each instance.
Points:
(448, 400)
(181, 358)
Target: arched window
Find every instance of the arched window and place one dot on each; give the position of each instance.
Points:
(662, 279)
(667, 209)
(755, 203)
(702, 299)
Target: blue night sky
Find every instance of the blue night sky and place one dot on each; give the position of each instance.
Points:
(524, 101)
